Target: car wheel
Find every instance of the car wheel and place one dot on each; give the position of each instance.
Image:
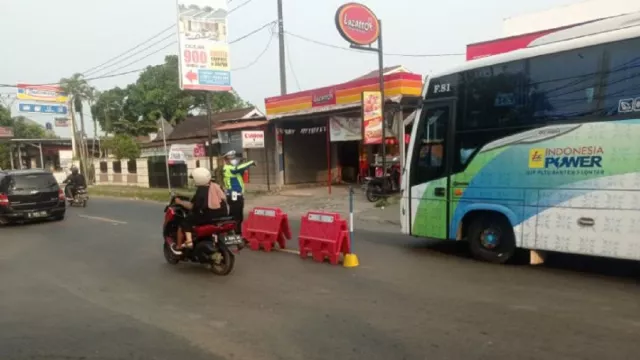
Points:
(491, 239)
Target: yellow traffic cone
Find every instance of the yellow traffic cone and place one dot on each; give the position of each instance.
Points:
(350, 261)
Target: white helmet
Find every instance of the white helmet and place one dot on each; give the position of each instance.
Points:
(201, 176)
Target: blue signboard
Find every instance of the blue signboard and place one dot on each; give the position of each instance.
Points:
(214, 77)
(43, 108)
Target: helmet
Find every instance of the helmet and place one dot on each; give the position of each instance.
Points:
(230, 154)
(74, 170)
(201, 176)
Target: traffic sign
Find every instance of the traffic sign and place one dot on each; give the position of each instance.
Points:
(43, 108)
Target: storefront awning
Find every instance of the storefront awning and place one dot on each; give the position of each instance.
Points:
(328, 108)
(241, 125)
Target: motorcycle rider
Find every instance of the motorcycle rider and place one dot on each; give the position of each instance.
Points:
(74, 181)
(207, 204)
(233, 181)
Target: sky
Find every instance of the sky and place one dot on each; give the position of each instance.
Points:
(44, 40)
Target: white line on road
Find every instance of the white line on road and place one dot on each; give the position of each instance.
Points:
(102, 219)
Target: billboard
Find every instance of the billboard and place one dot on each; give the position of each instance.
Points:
(253, 139)
(345, 128)
(372, 116)
(6, 132)
(204, 45)
(59, 109)
(41, 93)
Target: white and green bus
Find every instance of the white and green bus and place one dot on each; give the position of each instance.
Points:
(537, 149)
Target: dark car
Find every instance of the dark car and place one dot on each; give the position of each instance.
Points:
(30, 195)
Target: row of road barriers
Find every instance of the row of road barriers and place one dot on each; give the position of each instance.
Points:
(323, 235)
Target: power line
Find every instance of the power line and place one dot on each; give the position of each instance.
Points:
(140, 59)
(293, 71)
(258, 57)
(133, 48)
(350, 49)
(239, 6)
(252, 32)
(136, 53)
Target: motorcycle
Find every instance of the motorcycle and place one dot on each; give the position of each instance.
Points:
(212, 243)
(81, 198)
(378, 187)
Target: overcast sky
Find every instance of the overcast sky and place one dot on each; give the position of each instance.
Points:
(45, 40)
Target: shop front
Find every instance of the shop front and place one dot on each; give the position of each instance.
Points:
(322, 136)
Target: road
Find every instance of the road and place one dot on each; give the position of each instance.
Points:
(96, 286)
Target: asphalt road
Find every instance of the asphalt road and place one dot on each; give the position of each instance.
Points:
(96, 286)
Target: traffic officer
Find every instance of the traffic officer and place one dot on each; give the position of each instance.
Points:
(233, 183)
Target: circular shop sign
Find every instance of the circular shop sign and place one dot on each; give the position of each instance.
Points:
(357, 24)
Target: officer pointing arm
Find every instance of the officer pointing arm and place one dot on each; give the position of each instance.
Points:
(233, 181)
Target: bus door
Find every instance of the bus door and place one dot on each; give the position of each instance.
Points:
(429, 187)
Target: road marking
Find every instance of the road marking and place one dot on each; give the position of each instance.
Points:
(102, 219)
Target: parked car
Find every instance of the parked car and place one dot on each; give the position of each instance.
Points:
(30, 195)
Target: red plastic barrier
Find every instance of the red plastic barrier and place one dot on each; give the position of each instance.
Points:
(264, 227)
(324, 234)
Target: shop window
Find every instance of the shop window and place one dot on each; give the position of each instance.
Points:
(104, 167)
(132, 166)
(117, 167)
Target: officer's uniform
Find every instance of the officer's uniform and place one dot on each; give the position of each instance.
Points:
(234, 188)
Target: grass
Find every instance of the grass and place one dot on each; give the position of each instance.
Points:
(131, 192)
(138, 193)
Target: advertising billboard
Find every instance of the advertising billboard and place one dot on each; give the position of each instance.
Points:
(204, 45)
(372, 116)
(41, 93)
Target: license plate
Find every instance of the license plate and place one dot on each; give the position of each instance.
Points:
(37, 214)
(233, 239)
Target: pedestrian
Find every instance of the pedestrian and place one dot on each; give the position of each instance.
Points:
(233, 182)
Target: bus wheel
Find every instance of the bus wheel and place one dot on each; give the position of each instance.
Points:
(491, 239)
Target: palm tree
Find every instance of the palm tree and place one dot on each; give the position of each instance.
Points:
(77, 89)
(92, 96)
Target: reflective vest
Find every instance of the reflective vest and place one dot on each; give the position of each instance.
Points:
(232, 176)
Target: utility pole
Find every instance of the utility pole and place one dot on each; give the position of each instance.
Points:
(283, 69)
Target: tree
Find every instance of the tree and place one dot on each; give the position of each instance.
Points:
(122, 147)
(22, 129)
(79, 91)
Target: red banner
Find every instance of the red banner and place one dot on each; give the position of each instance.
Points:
(372, 116)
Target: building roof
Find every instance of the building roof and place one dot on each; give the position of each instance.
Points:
(237, 125)
(197, 126)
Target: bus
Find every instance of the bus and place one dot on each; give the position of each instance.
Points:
(537, 149)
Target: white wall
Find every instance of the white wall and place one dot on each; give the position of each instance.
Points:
(567, 15)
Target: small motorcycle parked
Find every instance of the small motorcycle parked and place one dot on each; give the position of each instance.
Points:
(376, 187)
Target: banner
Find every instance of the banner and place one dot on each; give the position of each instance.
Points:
(345, 128)
(6, 132)
(43, 93)
(253, 139)
(204, 46)
(61, 122)
(372, 116)
(41, 108)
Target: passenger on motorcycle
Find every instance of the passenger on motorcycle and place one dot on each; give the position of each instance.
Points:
(74, 181)
(207, 204)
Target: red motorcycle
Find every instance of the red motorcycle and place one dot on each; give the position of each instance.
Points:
(213, 244)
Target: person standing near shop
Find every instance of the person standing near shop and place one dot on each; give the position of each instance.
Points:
(233, 182)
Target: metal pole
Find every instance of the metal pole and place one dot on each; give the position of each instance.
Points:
(41, 157)
(351, 217)
(166, 153)
(384, 125)
(210, 120)
(19, 157)
(283, 69)
(328, 157)
(266, 164)
(11, 155)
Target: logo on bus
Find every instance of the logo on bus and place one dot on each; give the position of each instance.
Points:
(566, 158)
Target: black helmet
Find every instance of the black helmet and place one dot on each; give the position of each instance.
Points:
(74, 170)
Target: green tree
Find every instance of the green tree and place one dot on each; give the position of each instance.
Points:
(122, 147)
(22, 129)
(79, 91)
